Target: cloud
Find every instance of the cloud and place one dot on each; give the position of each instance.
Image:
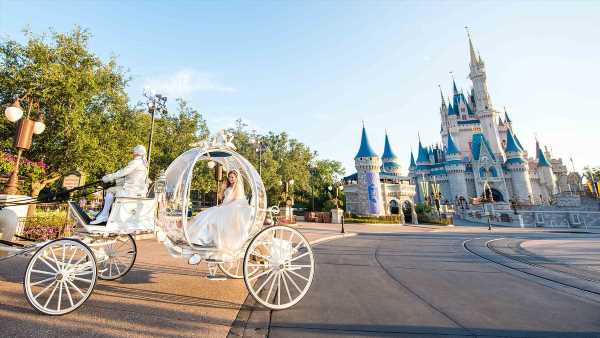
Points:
(184, 83)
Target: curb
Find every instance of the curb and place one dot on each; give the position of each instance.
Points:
(332, 237)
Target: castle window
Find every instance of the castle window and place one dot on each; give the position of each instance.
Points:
(493, 172)
(482, 172)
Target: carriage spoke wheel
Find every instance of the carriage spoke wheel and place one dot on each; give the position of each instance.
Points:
(235, 269)
(116, 257)
(279, 267)
(60, 276)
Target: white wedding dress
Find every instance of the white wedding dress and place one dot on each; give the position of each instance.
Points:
(225, 226)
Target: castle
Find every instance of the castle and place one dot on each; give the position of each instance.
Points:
(479, 147)
(378, 187)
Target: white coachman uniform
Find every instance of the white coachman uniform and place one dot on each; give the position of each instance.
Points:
(132, 181)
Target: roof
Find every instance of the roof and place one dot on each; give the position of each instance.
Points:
(542, 161)
(365, 149)
(388, 153)
(412, 160)
(451, 110)
(452, 148)
(512, 146)
(423, 155)
(479, 141)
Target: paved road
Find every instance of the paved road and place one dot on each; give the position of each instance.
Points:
(413, 282)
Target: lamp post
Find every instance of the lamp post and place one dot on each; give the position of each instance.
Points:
(259, 146)
(24, 136)
(424, 189)
(156, 102)
(436, 194)
(289, 202)
(338, 187)
(487, 198)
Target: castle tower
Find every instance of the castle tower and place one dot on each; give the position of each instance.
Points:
(518, 169)
(389, 159)
(544, 171)
(368, 165)
(483, 104)
(455, 169)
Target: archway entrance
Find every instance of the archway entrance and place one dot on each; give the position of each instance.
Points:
(407, 210)
(394, 207)
(497, 195)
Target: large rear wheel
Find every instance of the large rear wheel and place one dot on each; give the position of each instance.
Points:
(279, 267)
(116, 257)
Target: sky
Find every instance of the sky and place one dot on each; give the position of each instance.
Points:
(317, 69)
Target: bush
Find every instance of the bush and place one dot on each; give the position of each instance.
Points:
(47, 225)
(352, 218)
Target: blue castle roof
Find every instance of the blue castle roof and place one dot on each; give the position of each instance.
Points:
(388, 153)
(422, 156)
(479, 141)
(365, 149)
(412, 160)
(542, 161)
(511, 143)
(452, 148)
(451, 110)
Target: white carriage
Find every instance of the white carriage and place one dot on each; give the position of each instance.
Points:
(276, 262)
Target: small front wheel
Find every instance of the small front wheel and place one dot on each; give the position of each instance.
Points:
(116, 257)
(60, 276)
(279, 267)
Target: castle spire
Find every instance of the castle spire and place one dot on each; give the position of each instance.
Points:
(412, 160)
(512, 145)
(388, 153)
(365, 149)
(542, 161)
(442, 96)
(452, 148)
(474, 59)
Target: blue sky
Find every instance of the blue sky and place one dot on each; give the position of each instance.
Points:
(316, 69)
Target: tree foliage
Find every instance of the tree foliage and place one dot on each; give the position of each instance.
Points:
(91, 127)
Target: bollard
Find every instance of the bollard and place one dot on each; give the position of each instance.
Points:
(343, 224)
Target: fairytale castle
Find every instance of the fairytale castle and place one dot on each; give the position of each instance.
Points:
(479, 147)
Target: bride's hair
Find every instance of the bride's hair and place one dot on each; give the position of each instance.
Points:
(235, 172)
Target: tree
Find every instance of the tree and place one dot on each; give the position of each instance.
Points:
(81, 97)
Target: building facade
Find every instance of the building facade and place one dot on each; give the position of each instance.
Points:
(478, 147)
(378, 187)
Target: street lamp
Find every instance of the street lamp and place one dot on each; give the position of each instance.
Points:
(338, 187)
(156, 102)
(437, 194)
(487, 198)
(259, 146)
(24, 136)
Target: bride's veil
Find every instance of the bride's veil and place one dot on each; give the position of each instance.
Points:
(237, 190)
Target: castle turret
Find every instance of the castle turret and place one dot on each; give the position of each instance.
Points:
(544, 171)
(518, 169)
(389, 159)
(455, 169)
(368, 166)
(485, 112)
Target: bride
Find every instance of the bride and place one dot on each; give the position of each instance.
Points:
(225, 226)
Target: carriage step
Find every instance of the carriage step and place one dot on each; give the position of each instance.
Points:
(216, 278)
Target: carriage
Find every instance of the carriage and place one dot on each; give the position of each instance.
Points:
(276, 262)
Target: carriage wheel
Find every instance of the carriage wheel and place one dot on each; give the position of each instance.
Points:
(279, 267)
(60, 276)
(116, 257)
(233, 269)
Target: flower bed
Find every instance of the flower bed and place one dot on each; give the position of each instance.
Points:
(47, 225)
(352, 218)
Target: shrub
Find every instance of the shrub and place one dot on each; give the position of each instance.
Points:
(48, 225)
(352, 218)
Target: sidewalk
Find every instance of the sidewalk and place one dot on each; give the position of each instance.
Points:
(161, 296)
